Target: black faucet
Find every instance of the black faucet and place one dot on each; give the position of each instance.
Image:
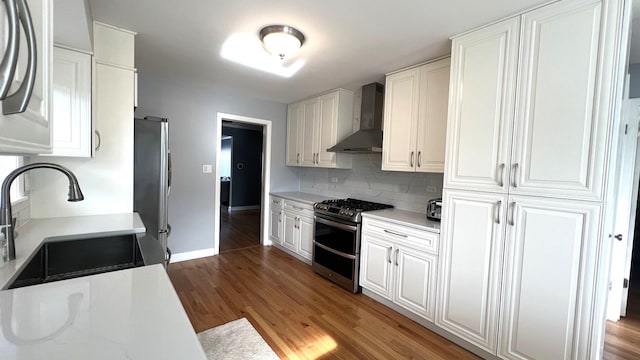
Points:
(6, 221)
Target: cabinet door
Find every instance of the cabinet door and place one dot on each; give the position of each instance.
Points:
(472, 240)
(560, 137)
(294, 134)
(72, 130)
(432, 117)
(305, 229)
(275, 225)
(376, 265)
(481, 106)
(309, 140)
(550, 266)
(328, 124)
(400, 120)
(29, 132)
(290, 228)
(415, 281)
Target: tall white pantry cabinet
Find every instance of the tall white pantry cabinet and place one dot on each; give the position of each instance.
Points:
(530, 114)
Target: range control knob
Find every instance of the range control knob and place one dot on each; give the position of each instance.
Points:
(350, 213)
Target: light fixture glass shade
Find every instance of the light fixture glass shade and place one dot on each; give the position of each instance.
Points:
(281, 40)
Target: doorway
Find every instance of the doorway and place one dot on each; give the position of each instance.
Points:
(241, 185)
(244, 168)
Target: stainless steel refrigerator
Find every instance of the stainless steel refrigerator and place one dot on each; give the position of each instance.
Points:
(152, 177)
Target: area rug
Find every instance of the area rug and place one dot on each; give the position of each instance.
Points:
(235, 340)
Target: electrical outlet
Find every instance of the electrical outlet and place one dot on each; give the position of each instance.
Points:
(334, 180)
(431, 188)
(207, 169)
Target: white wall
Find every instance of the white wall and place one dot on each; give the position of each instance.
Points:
(408, 191)
(191, 108)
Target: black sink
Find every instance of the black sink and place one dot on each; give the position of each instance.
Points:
(60, 260)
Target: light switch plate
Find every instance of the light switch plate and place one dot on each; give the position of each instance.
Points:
(207, 169)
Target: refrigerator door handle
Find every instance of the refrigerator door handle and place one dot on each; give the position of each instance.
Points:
(169, 173)
(168, 230)
(18, 101)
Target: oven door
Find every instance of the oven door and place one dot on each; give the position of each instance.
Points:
(340, 236)
(336, 248)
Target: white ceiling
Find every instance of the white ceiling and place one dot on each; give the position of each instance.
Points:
(348, 42)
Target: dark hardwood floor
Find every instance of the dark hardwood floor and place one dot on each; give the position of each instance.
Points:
(239, 229)
(298, 313)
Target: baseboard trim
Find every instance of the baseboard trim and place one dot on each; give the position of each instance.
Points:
(240, 208)
(190, 255)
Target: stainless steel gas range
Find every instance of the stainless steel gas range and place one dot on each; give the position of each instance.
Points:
(336, 240)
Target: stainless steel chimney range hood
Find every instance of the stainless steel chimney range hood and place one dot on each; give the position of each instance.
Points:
(368, 139)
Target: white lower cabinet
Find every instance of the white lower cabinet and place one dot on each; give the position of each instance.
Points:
(291, 226)
(275, 220)
(550, 271)
(291, 234)
(517, 274)
(471, 265)
(399, 268)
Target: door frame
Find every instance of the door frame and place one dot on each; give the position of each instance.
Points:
(266, 175)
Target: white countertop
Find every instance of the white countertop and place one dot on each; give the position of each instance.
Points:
(37, 231)
(132, 314)
(404, 217)
(302, 197)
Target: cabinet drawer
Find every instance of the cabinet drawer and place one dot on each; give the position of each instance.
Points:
(405, 235)
(299, 208)
(276, 202)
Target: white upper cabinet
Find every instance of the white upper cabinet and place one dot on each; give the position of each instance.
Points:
(481, 105)
(28, 132)
(72, 125)
(295, 117)
(310, 126)
(316, 124)
(559, 122)
(415, 118)
(327, 129)
(400, 120)
(550, 268)
(560, 138)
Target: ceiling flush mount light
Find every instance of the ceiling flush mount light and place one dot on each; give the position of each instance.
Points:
(281, 40)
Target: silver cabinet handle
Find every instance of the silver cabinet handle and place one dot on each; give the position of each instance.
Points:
(514, 172)
(412, 153)
(501, 168)
(389, 254)
(510, 213)
(315, 158)
(298, 158)
(395, 233)
(297, 208)
(498, 207)
(419, 158)
(396, 257)
(10, 59)
(18, 101)
(99, 140)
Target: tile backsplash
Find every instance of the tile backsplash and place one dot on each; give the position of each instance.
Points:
(366, 181)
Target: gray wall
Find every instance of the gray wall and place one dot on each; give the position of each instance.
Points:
(634, 81)
(191, 108)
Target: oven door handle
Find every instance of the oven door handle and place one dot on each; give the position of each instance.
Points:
(334, 251)
(335, 224)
